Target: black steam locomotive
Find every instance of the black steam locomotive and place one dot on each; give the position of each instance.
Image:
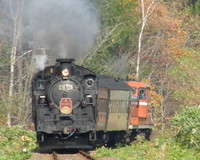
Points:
(72, 107)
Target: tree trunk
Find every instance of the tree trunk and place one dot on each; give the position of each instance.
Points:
(17, 21)
(145, 15)
(12, 71)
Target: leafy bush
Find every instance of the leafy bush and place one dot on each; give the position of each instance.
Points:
(187, 127)
(16, 143)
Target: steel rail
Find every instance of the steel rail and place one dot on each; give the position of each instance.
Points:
(86, 155)
(55, 156)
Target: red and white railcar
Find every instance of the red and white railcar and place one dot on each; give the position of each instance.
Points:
(140, 114)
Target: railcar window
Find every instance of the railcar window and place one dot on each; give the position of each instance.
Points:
(141, 94)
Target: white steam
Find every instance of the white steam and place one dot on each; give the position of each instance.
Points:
(66, 28)
(40, 61)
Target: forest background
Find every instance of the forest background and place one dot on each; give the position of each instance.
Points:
(153, 41)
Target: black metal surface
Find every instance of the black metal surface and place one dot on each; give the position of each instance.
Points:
(64, 60)
(56, 92)
(112, 83)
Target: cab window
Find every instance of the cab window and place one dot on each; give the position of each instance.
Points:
(141, 93)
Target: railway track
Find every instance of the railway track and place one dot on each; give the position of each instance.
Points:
(55, 156)
(81, 155)
(86, 155)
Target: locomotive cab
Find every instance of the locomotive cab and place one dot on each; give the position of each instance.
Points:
(140, 118)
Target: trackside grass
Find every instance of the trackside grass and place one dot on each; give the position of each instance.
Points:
(16, 143)
(161, 148)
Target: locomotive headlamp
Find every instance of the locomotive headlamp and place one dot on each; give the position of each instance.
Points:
(89, 82)
(42, 97)
(65, 72)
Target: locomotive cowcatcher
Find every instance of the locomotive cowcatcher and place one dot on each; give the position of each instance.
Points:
(72, 107)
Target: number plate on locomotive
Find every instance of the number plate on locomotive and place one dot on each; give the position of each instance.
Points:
(65, 105)
(65, 87)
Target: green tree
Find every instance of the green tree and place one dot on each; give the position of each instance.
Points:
(119, 28)
(187, 74)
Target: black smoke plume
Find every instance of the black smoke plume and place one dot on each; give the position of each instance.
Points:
(67, 28)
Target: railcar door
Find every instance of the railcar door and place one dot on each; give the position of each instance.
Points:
(119, 104)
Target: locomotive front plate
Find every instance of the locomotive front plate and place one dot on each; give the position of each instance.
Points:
(66, 87)
(65, 105)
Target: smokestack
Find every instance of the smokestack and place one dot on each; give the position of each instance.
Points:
(64, 60)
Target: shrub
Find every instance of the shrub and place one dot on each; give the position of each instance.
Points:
(16, 143)
(186, 126)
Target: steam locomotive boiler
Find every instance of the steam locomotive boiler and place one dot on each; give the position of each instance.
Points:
(64, 100)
